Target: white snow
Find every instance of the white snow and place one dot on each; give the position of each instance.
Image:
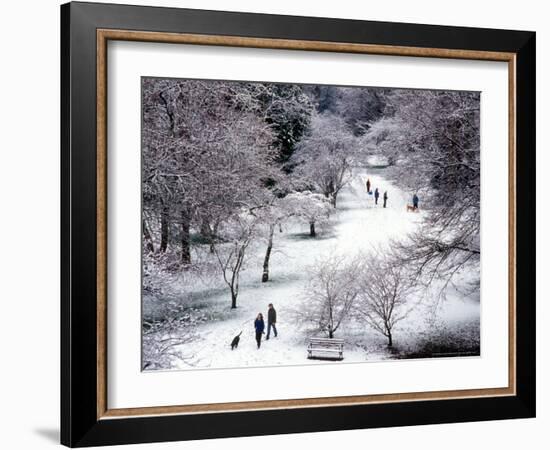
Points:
(358, 225)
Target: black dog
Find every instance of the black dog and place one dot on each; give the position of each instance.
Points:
(235, 341)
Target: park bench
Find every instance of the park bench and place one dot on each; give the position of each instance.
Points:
(325, 348)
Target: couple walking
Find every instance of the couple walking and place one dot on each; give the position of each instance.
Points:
(259, 324)
(376, 194)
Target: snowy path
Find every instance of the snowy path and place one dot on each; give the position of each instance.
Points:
(359, 224)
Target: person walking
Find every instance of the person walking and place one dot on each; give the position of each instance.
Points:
(368, 185)
(385, 198)
(259, 326)
(271, 320)
(415, 201)
(376, 195)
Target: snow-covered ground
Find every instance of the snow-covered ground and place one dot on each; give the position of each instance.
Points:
(358, 225)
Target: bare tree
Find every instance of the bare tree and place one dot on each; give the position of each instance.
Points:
(446, 244)
(432, 139)
(308, 206)
(206, 151)
(237, 234)
(331, 292)
(384, 290)
(272, 216)
(315, 209)
(325, 157)
(160, 342)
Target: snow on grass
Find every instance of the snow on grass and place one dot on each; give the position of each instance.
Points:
(358, 225)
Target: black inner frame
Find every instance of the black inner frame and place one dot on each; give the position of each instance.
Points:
(79, 423)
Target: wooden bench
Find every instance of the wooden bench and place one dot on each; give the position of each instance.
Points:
(325, 348)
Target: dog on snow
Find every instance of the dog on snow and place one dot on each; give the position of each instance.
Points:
(235, 341)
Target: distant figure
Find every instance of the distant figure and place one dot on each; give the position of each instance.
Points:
(415, 201)
(259, 326)
(368, 185)
(271, 320)
(385, 198)
(376, 195)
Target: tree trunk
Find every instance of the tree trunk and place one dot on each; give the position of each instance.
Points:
(333, 199)
(265, 274)
(207, 233)
(234, 283)
(205, 229)
(390, 341)
(164, 228)
(147, 236)
(213, 234)
(312, 232)
(185, 238)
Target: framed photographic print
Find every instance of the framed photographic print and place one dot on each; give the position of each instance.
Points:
(276, 224)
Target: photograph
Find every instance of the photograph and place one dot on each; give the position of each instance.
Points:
(294, 224)
(281, 223)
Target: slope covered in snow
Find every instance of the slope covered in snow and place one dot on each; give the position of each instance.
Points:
(358, 225)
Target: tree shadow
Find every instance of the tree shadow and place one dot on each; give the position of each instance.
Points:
(307, 237)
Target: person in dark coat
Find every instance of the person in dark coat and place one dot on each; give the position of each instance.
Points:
(259, 326)
(271, 320)
(376, 195)
(415, 201)
(368, 185)
(385, 198)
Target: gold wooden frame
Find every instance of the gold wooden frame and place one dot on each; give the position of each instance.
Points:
(103, 36)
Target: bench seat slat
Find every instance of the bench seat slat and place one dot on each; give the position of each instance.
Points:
(327, 344)
(328, 348)
(325, 348)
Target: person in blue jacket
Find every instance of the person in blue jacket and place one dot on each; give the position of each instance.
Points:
(415, 201)
(259, 326)
(376, 195)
